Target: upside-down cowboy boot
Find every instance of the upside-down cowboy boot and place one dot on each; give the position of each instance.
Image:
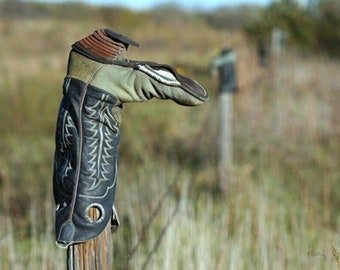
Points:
(98, 81)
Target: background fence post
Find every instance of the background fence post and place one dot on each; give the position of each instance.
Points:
(278, 63)
(228, 85)
(96, 254)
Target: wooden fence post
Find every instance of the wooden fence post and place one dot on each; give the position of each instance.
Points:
(278, 43)
(228, 85)
(225, 139)
(96, 254)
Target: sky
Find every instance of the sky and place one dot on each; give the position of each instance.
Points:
(187, 4)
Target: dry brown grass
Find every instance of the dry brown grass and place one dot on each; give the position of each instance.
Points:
(284, 195)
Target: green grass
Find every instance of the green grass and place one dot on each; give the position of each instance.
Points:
(281, 207)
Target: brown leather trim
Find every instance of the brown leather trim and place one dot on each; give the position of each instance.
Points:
(99, 44)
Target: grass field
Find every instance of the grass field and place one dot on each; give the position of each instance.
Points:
(281, 209)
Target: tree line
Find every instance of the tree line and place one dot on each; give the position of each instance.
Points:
(313, 30)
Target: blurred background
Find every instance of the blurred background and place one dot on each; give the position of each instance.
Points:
(280, 209)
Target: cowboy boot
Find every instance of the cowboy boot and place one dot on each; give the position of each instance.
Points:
(99, 81)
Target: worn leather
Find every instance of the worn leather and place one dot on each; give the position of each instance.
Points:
(88, 134)
(143, 80)
(86, 161)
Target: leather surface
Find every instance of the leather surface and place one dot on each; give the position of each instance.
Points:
(86, 160)
(88, 132)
